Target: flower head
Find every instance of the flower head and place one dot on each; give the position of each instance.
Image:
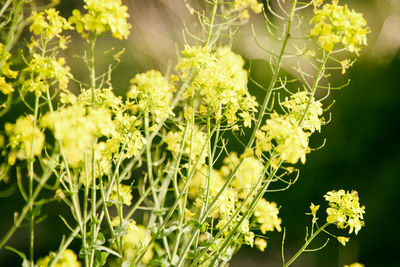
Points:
(68, 259)
(260, 243)
(338, 24)
(242, 5)
(266, 214)
(219, 82)
(345, 210)
(152, 91)
(356, 264)
(135, 240)
(25, 139)
(49, 23)
(102, 16)
(5, 67)
(43, 70)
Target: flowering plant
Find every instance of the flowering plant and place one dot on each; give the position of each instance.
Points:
(148, 177)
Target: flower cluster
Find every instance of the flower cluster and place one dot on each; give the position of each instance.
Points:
(246, 176)
(345, 210)
(243, 4)
(49, 23)
(304, 109)
(102, 16)
(77, 124)
(43, 72)
(5, 70)
(125, 192)
(197, 185)
(24, 139)
(194, 147)
(151, 91)
(68, 259)
(266, 214)
(356, 264)
(5, 87)
(337, 24)
(75, 127)
(220, 82)
(133, 241)
(288, 134)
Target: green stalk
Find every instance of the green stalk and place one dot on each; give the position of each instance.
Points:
(213, 13)
(26, 208)
(94, 189)
(275, 74)
(304, 247)
(31, 174)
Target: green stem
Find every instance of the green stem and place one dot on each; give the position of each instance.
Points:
(31, 174)
(92, 68)
(275, 74)
(213, 13)
(26, 208)
(320, 73)
(301, 250)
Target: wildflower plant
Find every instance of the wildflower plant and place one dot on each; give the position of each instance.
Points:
(148, 177)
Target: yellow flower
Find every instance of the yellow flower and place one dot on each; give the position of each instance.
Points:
(337, 24)
(345, 210)
(356, 264)
(5, 67)
(291, 140)
(343, 240)
(266, 214)
(5, 87)
(195, 141)
(134, 240)
(125, 192)
(49, 23)
(345, 64)
(151, 91)
(260, 243)
(68, 259)
(42, 71)
(76, 128)
(314, 210)
(301, 106)
(247, 175)
(21, 135)
(102, 16)
(243, 4)
(219, 82)
(197, 184)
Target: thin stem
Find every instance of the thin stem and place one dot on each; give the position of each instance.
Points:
(213, 12)
(31, 175)
(301, 250)
(26, 208)
(275, 74)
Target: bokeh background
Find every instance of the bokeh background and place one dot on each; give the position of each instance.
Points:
(362, 149)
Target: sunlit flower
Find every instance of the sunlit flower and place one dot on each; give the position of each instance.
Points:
(125, 192)
(152, 92)
(266, 214)
(24, 139)
(68, 259)
(102, 16)
(49, 23)
(345, 210)
(260, 243)
(219, 82)
(337, 24)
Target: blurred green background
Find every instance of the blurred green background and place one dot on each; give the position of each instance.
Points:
(362, 149)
